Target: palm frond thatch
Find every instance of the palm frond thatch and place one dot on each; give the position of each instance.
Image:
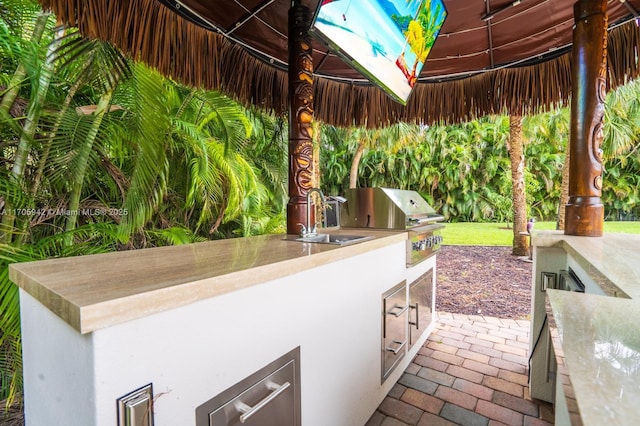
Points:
(201, 58)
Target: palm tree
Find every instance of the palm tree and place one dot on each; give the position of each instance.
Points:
(335, 154)
(20, 74)
(81, 161)
(16, 15)
(35, 109)
(188, 162)
(548, 134)
(267, 151)
(81, 62)
(516, 155)
(622, 120)
(389, 138)
(621, 134)
(364, 140)
(622, 127)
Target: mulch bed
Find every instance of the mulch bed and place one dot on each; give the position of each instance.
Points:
(12, 417)
(483, 280)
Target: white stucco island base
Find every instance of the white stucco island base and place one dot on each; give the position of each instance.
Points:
(192, 352)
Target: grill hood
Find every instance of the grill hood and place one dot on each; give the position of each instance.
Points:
(385, 208)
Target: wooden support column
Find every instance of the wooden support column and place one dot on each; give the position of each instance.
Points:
(584, 211)
(300, 116)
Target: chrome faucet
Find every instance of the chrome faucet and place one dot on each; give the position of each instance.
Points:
(311, 230)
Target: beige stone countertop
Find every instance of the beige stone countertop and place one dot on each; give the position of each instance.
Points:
(613, 261)
(597, 338)
(597, 343)
(97, 291)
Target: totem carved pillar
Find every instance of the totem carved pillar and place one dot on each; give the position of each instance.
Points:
(300, 116)
(584, 211)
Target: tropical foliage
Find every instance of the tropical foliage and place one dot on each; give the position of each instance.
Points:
(99, 153)
(463, 170)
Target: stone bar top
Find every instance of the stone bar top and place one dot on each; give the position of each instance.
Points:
(599, 352)
(597, 338)
(97, 291)
(612, 261)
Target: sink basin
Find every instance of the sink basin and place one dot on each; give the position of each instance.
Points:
(338, 239)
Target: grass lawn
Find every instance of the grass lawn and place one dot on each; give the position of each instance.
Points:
(497, 234)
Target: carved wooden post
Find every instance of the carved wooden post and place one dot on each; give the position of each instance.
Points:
(584, 211)
(300, 116)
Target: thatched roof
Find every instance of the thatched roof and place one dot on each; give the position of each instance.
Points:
(517, 61)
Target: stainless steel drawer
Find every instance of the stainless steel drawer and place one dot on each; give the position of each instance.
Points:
(270, 397)
(394, 327)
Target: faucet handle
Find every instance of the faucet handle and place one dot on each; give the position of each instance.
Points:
(303, 230)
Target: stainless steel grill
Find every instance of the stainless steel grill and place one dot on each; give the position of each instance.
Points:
(386, 208)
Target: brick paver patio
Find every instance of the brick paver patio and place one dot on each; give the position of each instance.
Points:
(471, 371)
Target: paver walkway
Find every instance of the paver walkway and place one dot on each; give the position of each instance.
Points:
(471, 371)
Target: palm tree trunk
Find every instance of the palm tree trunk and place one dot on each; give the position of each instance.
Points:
(564, 193)
(516, 155)
(21, 72)
(28, 132)
(355, 163)
(35, 109)
(83, 160)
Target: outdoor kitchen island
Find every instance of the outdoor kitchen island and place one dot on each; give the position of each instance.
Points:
(194, 320)
(585, 335)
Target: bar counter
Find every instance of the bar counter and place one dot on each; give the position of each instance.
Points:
(596, 338)
(98, 291)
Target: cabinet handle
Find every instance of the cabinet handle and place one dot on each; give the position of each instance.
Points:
(417, 322)
(399, 348)
(250, 411)
(397, 313)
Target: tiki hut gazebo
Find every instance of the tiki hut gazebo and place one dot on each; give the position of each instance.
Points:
(492, 56)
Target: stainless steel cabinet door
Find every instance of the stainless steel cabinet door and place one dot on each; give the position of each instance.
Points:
(420, 303)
